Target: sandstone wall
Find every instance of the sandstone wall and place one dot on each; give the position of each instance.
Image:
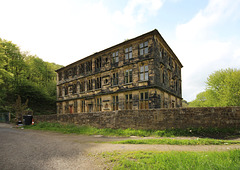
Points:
(220, 117)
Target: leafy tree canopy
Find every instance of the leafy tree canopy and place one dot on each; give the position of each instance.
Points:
(27, 76)
(223, 89)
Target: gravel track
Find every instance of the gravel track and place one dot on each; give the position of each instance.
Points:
(30, 149)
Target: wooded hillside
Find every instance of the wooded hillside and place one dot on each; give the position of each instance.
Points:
(27, 76)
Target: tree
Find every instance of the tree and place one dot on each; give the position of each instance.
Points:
(223, 89)
(19, 108)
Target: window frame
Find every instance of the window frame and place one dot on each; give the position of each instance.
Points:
(143, 48)
(127, 52)
(128, 101)
(144, 72)
(115, 57)
(115, 79)
(128, 76)
(115, 102)
(143, 100)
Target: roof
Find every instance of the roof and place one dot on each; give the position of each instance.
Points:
(153, 32)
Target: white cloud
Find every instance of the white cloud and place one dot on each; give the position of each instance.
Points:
(200, 50)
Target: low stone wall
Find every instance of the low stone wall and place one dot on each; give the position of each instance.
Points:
(219, 117)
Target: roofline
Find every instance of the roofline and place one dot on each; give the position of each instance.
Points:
(153, 32)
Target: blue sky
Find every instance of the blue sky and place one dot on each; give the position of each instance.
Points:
(204, 34)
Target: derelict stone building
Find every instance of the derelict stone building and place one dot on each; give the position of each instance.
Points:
(140, 73)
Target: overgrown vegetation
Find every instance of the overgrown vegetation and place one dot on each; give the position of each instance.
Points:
(223, 89)
(27, 76)
(198, 141)
(201, 132)
(174, 160)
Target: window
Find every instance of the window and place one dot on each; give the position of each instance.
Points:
(75, 106)
(89, 66)
(74, 88)
(65, 74)
(128, 76)
(115, 79)
(83, 106)
(144, 73)
(82, 86)
(115, 102)
(66, 90)
(143, 47)
(98, 103)
(81, 69)
(115, 57)
(98, 83)
(60, 76)
(144, 100)
(98, 63)
(89, 85)
(60, 91)
(74, 70)
(128, 102)
(128, 53)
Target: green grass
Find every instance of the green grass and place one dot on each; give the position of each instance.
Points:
(137, 160)
(197, 141)
(201, 132)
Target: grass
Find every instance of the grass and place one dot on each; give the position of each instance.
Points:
(138, 160)
(197, 141)
(87, 130)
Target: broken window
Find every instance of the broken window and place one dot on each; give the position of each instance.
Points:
(74, 88)
(98, 83)
(60, 91)
(89, 84)
(115, 79)
(65, 74)
(98, 103)
(144, 100)
(81, 69)
(60, 76)
(82, 86)
(128, 102)
(115, 102)
(74, 70)
(98, 63)
(66, 90)
(89, 66)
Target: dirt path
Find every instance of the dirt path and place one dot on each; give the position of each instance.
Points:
(31, 149)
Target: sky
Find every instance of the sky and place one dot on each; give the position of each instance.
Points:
(204, 34)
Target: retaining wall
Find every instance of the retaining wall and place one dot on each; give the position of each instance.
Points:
(219, 117)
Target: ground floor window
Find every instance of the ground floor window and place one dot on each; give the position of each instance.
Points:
(128, 101)
(144, 100)
(115, 102)
(83, 106)
(98, 105)
(75, 106)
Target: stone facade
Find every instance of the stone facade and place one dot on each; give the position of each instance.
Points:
(140, 73)
(215, 117)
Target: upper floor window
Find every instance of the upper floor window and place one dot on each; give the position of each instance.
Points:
(74, 70)
(144, 73)
(115, 103)
(81, 69)
(60, 76)
(65, 74)
(128, 53)
(66, 90)
(82, 86)
(128, 76)
(98, 83)
(128, 101)
(89, 85)
(115, 57)
(115, 79)
(60, 91)
(98, 63)
(143, 47)
(74, 88)
(144, 100)
(89, 66)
